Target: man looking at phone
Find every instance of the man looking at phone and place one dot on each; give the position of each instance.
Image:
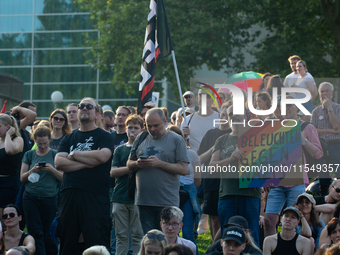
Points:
(85, 156)
(157, 177)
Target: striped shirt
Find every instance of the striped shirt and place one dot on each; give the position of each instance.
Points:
(320, 120)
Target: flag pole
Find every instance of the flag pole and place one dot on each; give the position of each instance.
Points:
(179, 87)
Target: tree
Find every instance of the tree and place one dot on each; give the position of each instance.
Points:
(219, 34)
(296, 28)
(203, 32)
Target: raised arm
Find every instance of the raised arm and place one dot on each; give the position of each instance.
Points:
(29, 115)
(14, 146)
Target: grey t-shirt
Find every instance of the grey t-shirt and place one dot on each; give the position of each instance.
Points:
(156, 187)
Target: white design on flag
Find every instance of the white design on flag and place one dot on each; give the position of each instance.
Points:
(146, 76)
(149, 47)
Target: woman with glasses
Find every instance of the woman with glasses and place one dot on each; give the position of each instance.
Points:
(14, 237)
(153, 243)
(310, 225)
(11, 145)
(60, 127)
(40, 197)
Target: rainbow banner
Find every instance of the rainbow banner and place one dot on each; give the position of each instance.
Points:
(272, 154)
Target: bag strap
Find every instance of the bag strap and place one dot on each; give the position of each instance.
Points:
(304, 125)
(192, 115)
(142, 138)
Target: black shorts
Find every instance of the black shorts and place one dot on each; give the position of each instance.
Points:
(210, 205)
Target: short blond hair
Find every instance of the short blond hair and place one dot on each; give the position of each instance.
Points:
(96, 250)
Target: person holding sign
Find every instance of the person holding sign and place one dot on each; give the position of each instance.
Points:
(233, 200)
(279, 196)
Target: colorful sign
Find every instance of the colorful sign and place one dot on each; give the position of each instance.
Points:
(272, 155)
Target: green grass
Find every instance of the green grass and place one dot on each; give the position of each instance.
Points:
(204, 242)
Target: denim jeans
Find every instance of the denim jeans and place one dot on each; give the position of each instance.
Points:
(39, 213)
(247, 207)
(150, 217)
(188, 223)
(279, 196)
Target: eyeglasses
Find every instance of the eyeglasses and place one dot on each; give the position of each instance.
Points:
(187, 97)
(159, 237)
(337, 190)
(11, 215)
(87, 106)
(59, 119)
(307, 202)
(174, 225)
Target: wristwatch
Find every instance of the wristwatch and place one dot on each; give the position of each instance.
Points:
(71, 154)
(304, 141)
(330, 109)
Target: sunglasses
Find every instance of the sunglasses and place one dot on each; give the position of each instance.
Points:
(307, 202)
(11, 215)
(59, 119)
(87, 106)
(337, 190)
(159, 237)
(110, 126)
(187, 97)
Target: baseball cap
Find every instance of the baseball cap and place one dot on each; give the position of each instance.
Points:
(235, 234)
(188, 93)
(294, 209)
(308, 196)
(237, 221)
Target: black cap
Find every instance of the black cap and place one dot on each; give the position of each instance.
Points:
(235, 234)
(237, 221)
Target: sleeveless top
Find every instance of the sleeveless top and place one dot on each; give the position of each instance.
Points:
(286, 247)
(22, 238)
(10, 164)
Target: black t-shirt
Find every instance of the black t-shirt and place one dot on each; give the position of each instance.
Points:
(321, 201)
(95, 179)
(118, 139)
(28, 142)
(10, 164)
(54, 143)
(210, 183)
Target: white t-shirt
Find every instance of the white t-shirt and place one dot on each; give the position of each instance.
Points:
(290, 79)
(302, 83)
(187, 243)
(199, 125)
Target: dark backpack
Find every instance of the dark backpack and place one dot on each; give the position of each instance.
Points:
(131, 184)
(313, 162)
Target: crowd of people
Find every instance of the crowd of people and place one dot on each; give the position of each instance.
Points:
(89, 181)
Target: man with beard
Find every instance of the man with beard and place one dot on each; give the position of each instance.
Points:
(158, 160)
(85, 156)
(233, 200)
